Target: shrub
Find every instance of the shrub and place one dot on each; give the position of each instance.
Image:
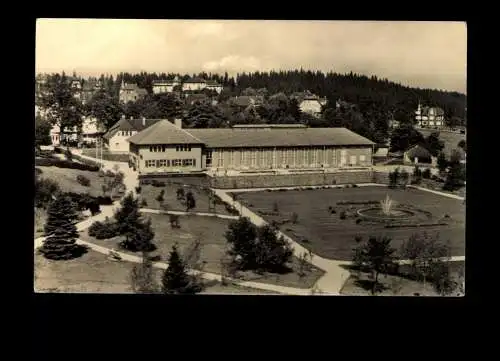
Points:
(144, 203)
(358, 221)
(180, 193)
(110, 174)
(101, 173)
(84, 181)
(103, 230)
(333, 211)
(295, 218)
(157, 183)
(138, 189)
(343, 215)
(104, 201)
(60, 163)
(275, 207)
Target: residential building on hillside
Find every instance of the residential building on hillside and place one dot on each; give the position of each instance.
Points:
(165, 147)
(194, 84)
(418, 155)
(131, 92)
(213, 85)
(244, 101)
(311, 105)
(165, 86)
(116, 137)
(432, 117)
(89, 133)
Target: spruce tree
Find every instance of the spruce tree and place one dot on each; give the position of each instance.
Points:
(60, 231)
(128, 218)
(175, 279)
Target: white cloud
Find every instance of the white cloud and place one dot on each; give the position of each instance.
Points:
(234, 63)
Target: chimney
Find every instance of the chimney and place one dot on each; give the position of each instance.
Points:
(178, 122)
(143, 121)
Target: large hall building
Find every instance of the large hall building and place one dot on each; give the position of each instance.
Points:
(165, 147)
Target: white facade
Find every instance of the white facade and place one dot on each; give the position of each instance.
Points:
(428, 117)
(119, 141)
(217, 87)
(194, 86)
(311, 106)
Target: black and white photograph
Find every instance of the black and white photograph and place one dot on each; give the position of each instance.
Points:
(250, 157)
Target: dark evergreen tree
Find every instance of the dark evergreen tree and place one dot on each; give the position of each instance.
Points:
(241, 235)
(442, 162)
(128, 219)
(190, 201)
(60, 231)
(433, 144)
(272, 252)
(175, 279)
(42, 131)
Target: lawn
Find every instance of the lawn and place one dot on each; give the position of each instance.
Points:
(94, 273)
(40, 218)
(395, 285)
(210, 231)
(150, 193)
(327, 235)
(66, 178)
(450, 139)
(107, 155)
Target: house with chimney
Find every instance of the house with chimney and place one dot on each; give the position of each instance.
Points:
(116, 138)
(130, 92)
(165, 86)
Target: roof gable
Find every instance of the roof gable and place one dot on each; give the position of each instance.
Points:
(163, 132)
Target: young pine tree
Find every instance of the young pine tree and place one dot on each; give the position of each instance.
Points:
(128, 217)
(61, 232)
(175, 279)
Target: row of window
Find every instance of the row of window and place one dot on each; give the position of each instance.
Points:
(126, 133)
(163, 148)
(162, 163)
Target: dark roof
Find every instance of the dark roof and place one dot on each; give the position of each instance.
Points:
(129, 124)
(212, 83)
(419, 152)
(195, 80)
(252, 126)
(163, 132)
(278, 137)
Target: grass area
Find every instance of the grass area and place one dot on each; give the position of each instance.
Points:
(329, 236)
(40, 218)
(94, 273)
(210, 232)
(150, 193)
(66, 178)
(107, 155)
(393, 285)
(450, 139)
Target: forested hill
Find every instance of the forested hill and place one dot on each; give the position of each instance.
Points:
(357, 89)
(388, 96)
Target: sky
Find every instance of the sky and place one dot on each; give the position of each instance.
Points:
(424, 54)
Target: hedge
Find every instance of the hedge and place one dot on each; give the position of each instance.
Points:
(61, 163)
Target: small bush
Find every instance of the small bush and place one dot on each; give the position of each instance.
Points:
(60, 163)
(343, 215)
(333, 211)
(138, 189)
(275, 207)
(295, 218)
(103, 230)
(354, 185)
(144, 203)
(101, 173)
(157, 183)
(84, 181)
(358, 221)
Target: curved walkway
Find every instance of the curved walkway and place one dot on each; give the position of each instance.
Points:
(181, 213)
(330, 283)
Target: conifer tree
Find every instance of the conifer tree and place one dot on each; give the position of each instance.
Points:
(60, 231)
(175, 279)
(127, 216)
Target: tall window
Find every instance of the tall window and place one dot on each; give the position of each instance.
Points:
(262, 157)
(208, 158)
(253, 157)
(314, 155)
(150, 163)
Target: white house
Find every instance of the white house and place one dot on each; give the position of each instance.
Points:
(165, 86)
(117, 136)
(212, 85)
(194, 84)
(311, 105)
(429, 117)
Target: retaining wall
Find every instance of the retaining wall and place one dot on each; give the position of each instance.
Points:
(274, 180)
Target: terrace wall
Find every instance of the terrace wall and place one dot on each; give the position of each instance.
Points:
(291, 180)
(273, 180)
